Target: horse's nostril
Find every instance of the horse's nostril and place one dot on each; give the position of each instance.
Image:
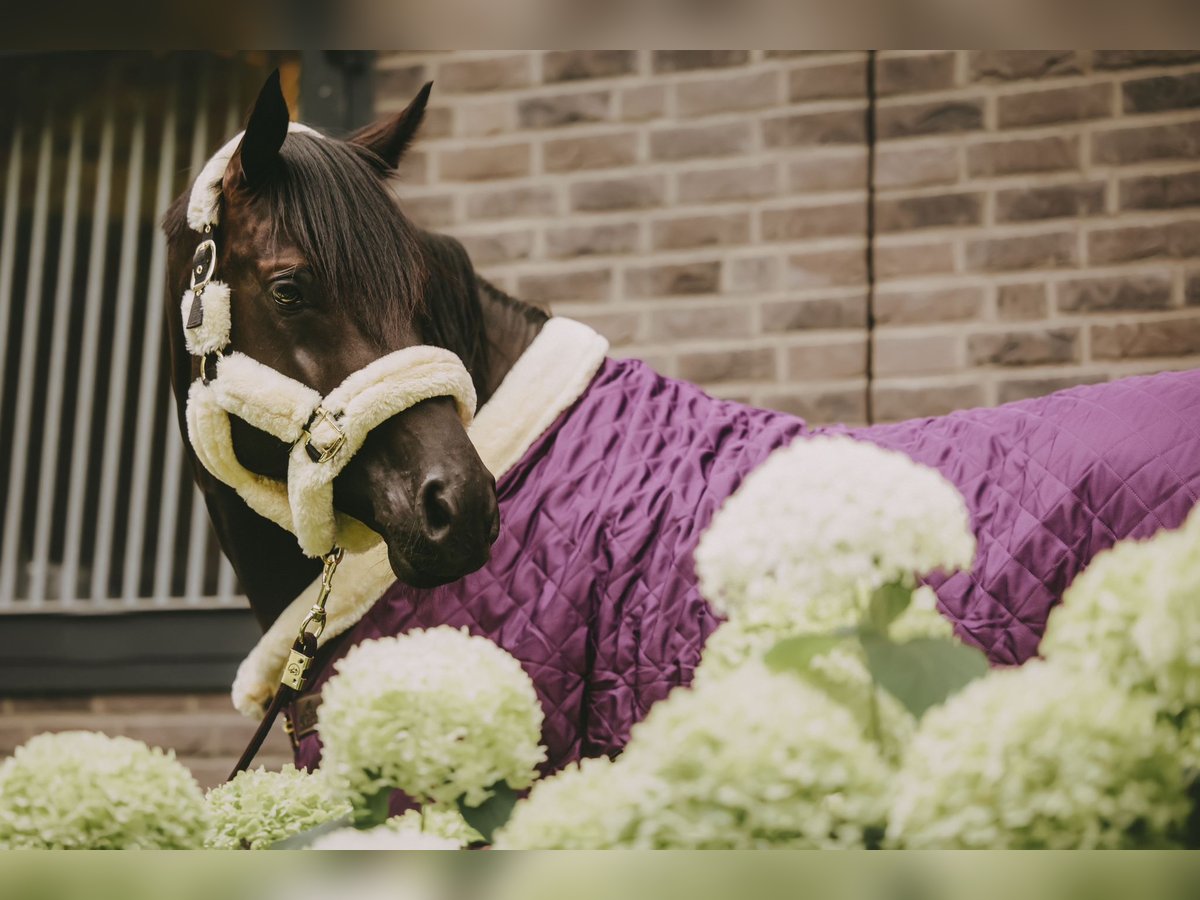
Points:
(437, 509)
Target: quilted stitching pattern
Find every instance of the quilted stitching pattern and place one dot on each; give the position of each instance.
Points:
(591, 584)
(1050, 483)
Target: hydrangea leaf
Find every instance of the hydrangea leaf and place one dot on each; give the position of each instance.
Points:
(887, 604)
(373, 810)
(795, 653)
(922, 672)
(489, 816)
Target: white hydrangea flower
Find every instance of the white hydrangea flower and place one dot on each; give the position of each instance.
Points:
(1041, 757)
(80, 790)
(821, 525)
(260, 808)
(1133, 617)
(382, 838)
(841, 672)
(442, 822)
(750, 760)
(438, 714)
(589, 805)
(755, 760)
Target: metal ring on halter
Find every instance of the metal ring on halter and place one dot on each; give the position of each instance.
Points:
(208, 366)
(322, 420)
(316, 618)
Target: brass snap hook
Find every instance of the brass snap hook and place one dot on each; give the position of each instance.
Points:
(295, 671)
(316, 615)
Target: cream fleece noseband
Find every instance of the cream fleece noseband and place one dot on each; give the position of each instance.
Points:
(323, 432)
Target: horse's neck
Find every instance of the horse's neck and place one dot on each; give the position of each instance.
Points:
(471, 317)
(510, 327)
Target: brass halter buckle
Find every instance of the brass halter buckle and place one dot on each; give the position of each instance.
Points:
(323, 437)
(295, 671)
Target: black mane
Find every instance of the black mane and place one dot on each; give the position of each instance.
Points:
(326, 197)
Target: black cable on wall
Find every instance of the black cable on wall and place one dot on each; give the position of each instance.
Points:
(870, 248)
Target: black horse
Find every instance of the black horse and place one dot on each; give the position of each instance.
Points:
(327, 275)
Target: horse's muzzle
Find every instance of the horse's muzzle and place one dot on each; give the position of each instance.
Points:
(456, 527)
(419, 482)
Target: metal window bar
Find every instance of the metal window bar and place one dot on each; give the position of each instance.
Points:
(58, 354)
(89, 352)
(8, 245)
(118, 360)
(99, 510)
(173, 462)
(149, 382)
(26, 370)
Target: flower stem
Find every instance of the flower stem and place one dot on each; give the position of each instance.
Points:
(875, 719)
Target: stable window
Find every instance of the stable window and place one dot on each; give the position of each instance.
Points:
(98, 513)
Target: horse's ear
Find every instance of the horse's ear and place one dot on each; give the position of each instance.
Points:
(258, 153)
(389, 138)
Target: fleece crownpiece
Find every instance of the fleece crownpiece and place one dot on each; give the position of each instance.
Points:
(324, 433)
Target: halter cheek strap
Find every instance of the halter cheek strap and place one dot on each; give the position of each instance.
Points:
(324, 432)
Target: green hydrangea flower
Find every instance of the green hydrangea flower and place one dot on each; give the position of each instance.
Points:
(80, 790)
(1041, 757)
(438, 714)
(260, 808)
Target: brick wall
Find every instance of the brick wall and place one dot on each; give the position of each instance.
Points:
(1034, 230)
(1037, 217)
(707, 210)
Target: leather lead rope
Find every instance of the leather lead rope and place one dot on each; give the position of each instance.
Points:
(295, 672)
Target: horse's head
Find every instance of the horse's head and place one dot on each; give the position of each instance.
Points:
(326, 276)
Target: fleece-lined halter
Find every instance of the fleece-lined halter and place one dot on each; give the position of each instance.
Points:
(322, 432)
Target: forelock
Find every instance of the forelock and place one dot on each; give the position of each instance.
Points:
(330, 199)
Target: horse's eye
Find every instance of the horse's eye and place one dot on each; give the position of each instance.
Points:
(287, 294)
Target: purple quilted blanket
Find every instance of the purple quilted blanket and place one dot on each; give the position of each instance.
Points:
(591, 584)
